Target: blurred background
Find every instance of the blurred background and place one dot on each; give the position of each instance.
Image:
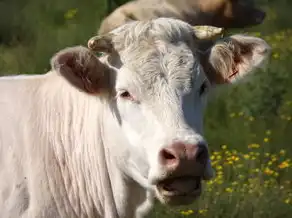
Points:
(248, 126)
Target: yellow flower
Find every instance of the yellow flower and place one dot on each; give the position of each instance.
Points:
(287, 201)
(282, 152)
(276, 55)
(224, 147)
(246, 156)
(251, 118)
(276, 174)
(219, 173)
(235, 158)
(283, 165)
(203, 211)
(256, 170)
(70, 13)
(267, 154)
(219, 167)
(268, 171)
(187, 212)
(274, 158)
(266, 139)
(253, 145)
(230, 190)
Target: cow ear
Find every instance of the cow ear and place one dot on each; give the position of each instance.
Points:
(234, 57)
(82, 69)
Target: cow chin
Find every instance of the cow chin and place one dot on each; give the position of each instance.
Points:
(178, 191)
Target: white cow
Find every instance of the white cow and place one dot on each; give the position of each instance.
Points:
(104, 137)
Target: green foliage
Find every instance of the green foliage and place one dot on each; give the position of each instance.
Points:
(252, 117)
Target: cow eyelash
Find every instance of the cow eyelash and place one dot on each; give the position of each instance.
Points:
(203, 88)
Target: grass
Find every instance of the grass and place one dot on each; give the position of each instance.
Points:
(253, 181)
(248, 126)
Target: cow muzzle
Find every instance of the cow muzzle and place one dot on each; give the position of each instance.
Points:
(184, 166)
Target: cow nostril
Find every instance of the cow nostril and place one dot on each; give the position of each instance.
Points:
(167, 155)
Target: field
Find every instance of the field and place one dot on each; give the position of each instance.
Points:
(248, 126)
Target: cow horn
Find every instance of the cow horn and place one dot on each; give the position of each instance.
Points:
(207, 32)
(102, 43)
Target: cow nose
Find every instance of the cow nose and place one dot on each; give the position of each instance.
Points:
(180, 153)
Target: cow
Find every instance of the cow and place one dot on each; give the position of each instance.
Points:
(106, 136)
(218, 13)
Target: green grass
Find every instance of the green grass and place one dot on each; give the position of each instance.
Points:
(253, 119)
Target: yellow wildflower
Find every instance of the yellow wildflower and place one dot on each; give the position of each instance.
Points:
(276, 174)
(70, 13)
(266, 139)
(287, 201)
(187, 212)
(282, 152)
(253, 145)
(230, 190)
(283, 165)
(246, 156)
(224, 147)
(276, 55)
(203, 211)
(251, 118)
(268, 171)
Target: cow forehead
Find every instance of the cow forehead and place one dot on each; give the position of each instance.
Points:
(173, 65)
(159, 50)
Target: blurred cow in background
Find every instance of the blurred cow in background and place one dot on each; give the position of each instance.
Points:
(218, 13)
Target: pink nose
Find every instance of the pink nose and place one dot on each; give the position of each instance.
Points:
(179, 154)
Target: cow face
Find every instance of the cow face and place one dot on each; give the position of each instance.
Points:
(159, 92)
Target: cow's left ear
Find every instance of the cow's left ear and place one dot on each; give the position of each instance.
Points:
(234, 57)
(82, 69)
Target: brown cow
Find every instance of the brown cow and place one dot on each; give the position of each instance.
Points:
(219, 13)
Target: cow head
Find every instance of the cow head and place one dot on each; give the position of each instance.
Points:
(158, 81)
(230, 13)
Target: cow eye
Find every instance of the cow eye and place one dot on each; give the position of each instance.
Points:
(126, 95)
(203, 88)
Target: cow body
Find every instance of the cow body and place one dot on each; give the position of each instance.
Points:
(74, 143)
(41, 157)
(219, 13)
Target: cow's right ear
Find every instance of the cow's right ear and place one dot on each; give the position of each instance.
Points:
(82, 69)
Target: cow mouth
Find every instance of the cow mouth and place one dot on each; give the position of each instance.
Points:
(184, 186)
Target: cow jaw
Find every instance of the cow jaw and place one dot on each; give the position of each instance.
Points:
(181, 190)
